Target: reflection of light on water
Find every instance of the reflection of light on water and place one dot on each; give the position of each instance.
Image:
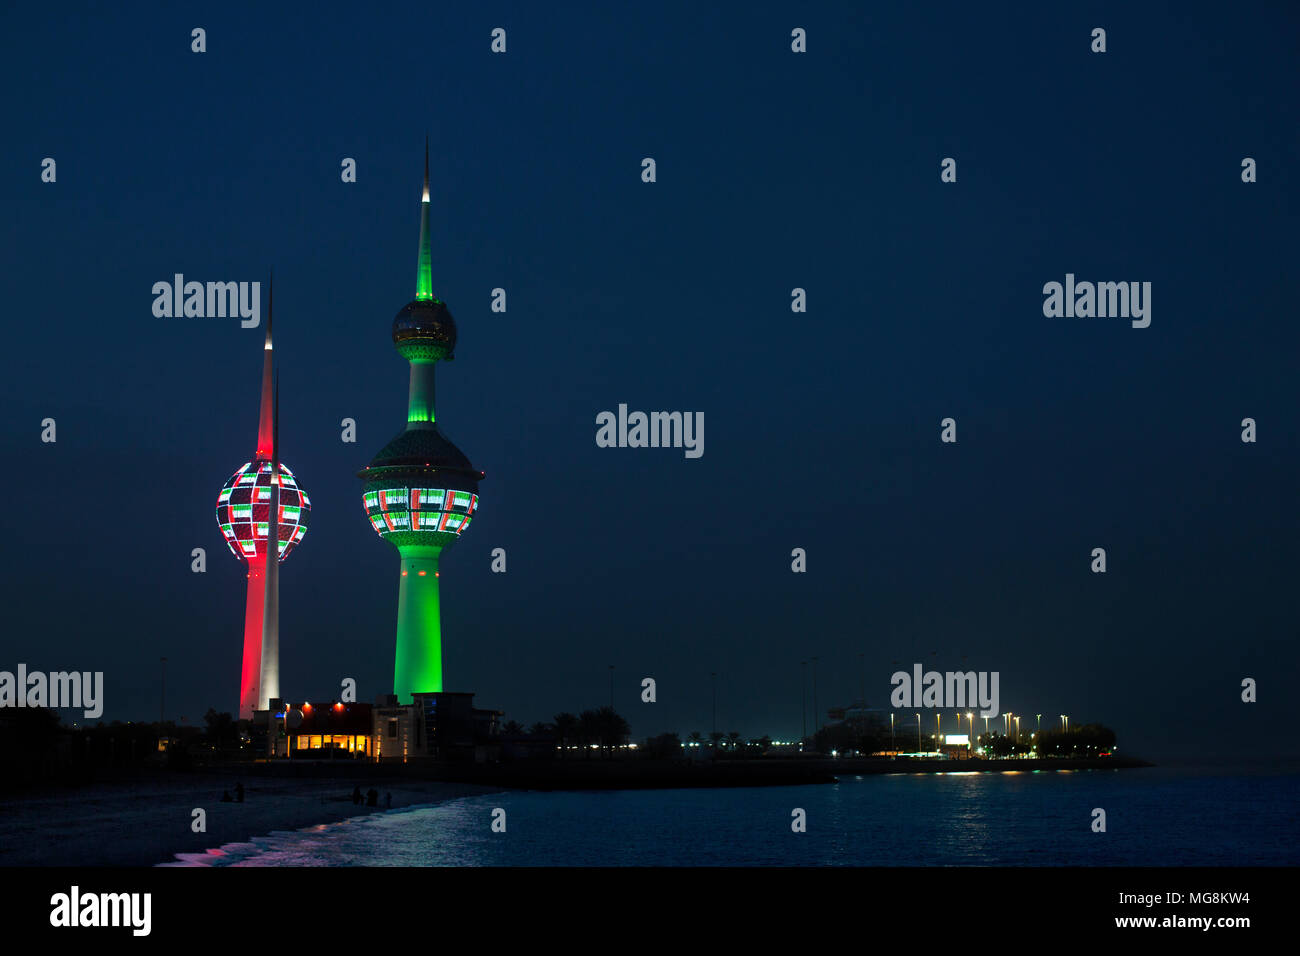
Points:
(980, 820)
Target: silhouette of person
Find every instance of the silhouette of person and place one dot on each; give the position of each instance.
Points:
(372, 797)
(225, 796)
(388, 800)
(239, 792)
(356, 796)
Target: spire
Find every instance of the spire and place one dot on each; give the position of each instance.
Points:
(270, 307)
(265, 424)
(424, 267)
(426, 169)
(275, 433)
(269, 683)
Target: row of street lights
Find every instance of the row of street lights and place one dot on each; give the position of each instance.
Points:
(803, 708)
(1008, 718)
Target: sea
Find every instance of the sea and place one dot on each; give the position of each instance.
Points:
(1152, 817)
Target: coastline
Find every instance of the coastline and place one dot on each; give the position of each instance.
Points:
(147, 821)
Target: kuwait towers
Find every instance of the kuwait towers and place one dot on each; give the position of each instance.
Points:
(244, 509)
(420, 491)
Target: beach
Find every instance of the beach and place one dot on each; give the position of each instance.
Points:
(147, 821)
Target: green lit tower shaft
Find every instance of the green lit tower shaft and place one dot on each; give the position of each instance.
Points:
(420, 491)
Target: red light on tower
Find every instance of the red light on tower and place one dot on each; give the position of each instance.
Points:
(245, 509)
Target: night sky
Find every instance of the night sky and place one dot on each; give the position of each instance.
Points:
(775, 171)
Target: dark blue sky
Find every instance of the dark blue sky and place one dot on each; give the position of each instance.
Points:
(775, 170)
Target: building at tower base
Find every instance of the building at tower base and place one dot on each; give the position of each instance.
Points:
(442, 727)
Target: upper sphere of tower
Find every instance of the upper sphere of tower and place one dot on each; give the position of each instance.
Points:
(425, 331)
(244, 510)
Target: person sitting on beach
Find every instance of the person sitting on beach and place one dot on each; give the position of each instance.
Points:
(356, 796)
(225, 796)
(372, 797)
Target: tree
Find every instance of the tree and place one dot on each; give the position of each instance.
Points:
(28, 742)
(566, 728)
(603, 727)
(1088, 740)
(588, 731)
(664, 747)
(999, 745)
(221, 728)
(512, 728)
(837, 738)
(734, 737)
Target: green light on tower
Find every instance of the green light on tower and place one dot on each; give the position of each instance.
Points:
(424, 267)
(418, 664)
(420, 491)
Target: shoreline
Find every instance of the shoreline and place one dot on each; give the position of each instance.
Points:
(145, 818)
(148, 821)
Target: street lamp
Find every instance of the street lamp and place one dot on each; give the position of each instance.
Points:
(803, 704)
(970, 724)
(713, 676)
(817, 720)
(918, 733)
(862, 664)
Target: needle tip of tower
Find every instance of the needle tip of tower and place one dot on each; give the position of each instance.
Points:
(270, 302)
(426, 169)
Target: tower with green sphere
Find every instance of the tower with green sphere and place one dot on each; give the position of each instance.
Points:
(420, 491)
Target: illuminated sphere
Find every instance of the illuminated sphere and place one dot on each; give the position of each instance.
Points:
(424, 331)
(420, 490)
(244, 509)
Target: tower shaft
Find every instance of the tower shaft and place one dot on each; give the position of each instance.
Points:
(420, 407)
(417, 667)
(250, 675)
(270, 664)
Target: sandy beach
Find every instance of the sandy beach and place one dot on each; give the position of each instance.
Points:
(146, 822)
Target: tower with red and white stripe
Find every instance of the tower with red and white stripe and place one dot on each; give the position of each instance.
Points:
(420, 492)
(244, 509)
